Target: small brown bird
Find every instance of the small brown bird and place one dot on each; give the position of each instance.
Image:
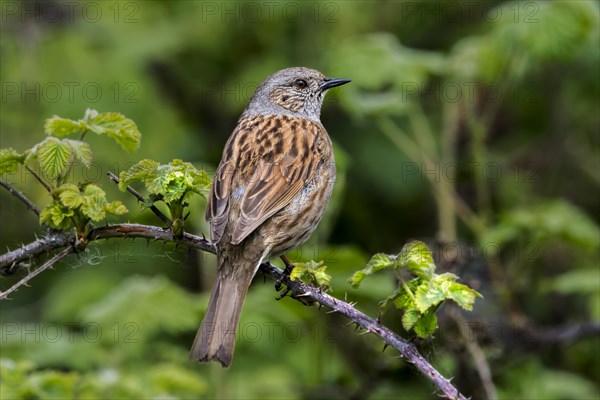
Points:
(272, 185)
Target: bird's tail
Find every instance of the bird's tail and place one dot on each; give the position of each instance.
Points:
(215, 339)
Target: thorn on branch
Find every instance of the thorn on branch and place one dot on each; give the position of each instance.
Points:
(62, 240)
(48, 264)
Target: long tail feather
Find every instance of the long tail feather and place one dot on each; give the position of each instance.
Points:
(215, 339)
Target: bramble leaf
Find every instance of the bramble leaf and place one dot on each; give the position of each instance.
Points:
(140, 171)
(81, 150)
(10, 160)
(417, 257)
(53, 155)
(116, 126)
(69, 195)
(93, 202)
(426, 324)
(61, 127)
(171, 182)
(312, 272)
(115, 208)
(378, 262)
(463, 295)
(420, 296)
(86, 205)
(429, 294)
(410, 318)
(57, 216)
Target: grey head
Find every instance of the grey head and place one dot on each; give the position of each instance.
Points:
(297, 91)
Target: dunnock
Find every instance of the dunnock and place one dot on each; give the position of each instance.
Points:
(274, 180)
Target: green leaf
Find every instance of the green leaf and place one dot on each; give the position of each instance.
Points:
(378, 262)
(429, 294)
(116, 126)
(158, 183)
(93, 202)
(115, 207)
(10, 160)
(140, 171)
(404, 300)
(200, 181)
(81, 150)
(463, 295)
(57, 216)
(61, 127)
(54, 156)
(173, 186)
(69, 195)
(417, 257)
(313, 273)
(171, 182)
(410, 318)
(426, 325)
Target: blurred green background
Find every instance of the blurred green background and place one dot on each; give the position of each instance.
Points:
(470, 125)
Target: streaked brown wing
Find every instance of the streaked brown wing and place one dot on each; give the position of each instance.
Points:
(288, 157)
(270, 159)
(217, 210)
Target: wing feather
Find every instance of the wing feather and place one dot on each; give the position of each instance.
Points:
(275, 165)
(278, 180)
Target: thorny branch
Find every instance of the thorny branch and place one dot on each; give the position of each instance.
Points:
(12, 260)
(48, 264)
(19, 259)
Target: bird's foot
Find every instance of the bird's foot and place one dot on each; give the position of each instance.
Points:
(289, 266)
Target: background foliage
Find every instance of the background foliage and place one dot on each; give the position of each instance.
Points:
(472, 127)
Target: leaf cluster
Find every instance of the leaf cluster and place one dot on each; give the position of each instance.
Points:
(420, 296)
(75, 206)
(72, 205)
(312, 272)
(171, 183)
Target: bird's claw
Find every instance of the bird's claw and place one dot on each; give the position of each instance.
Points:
(286, 275)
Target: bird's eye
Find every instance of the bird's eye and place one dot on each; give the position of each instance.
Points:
(300, 84)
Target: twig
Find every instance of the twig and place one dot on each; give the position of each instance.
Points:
(20, 196)
(48, 264)
(563, 334)
(371, 325)
(11, 261)
(39, 179)
(481, 365)
(406, 349)
(141, 198)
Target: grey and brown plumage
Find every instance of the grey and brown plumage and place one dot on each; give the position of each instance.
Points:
(269, 193)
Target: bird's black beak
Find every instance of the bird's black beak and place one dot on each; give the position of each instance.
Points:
(329, 83)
